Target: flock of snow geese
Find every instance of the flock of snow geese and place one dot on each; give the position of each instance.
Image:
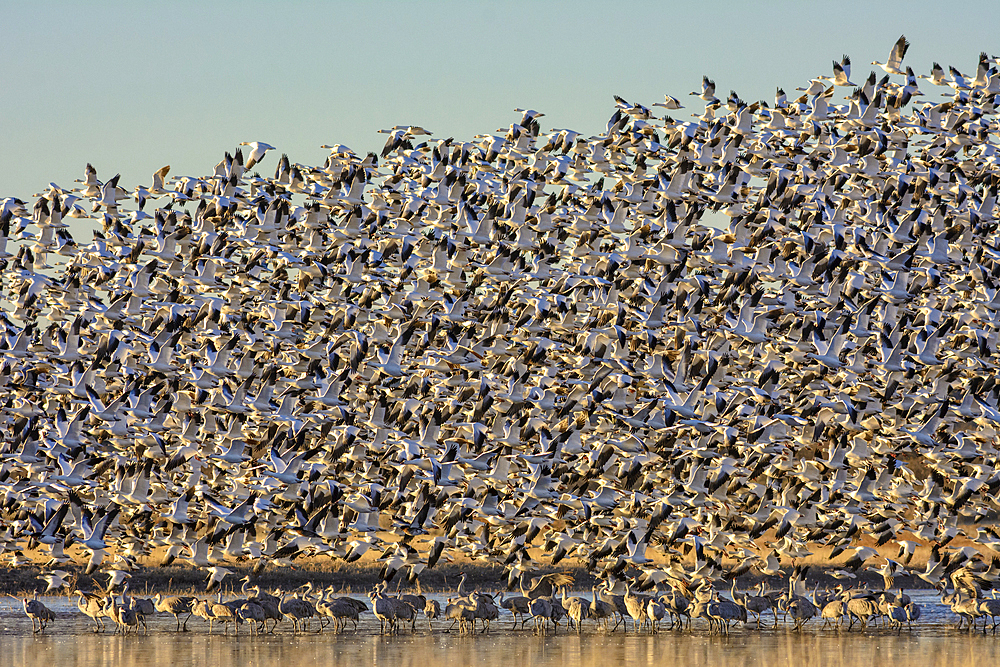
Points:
(676, 350)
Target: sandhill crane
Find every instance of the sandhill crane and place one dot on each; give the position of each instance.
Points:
(821, 598)
(965, 606)
(541, 612)
(725, 612)
(558, 612)
(91, 605)
(617, 602)
(404, 611)
(835, 610)
(897, 616)
(716, 620)
(459, 610)
(760, 603)
(678, 606)
(738, 611)
(402, 607)
(903, 599)
(305, 594)
(296, 610)
(418, 602)
(801, 610)
(357, 605)
(990, 607)
(270, 604)
(339, 611)
(860, 609)
(384, 608)
(912, 614)
(176, 605)
(202, 609)
(143, 607)
(124, 617)
(517, 605)
(700, 609)
(599, 609)
(323, 609)
(486, 610)
(577, 609)
(253, 613)
(432, 609)
(37, 611)
(635, 608)
(112, 611)
(655, 611)
(222, 612)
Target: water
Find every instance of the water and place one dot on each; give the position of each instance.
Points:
(69, 641)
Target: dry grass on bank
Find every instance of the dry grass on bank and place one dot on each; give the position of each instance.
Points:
(358, 578)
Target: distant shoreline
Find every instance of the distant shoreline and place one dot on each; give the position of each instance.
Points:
(361, 576)
(359, 579)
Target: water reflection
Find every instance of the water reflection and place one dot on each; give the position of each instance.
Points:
(596, 650)
(70, 642)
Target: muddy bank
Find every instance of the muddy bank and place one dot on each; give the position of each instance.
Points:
(359, 579)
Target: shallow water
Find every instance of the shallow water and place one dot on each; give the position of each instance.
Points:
(70, 641)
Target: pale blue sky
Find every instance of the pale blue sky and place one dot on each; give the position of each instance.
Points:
(132, 86)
